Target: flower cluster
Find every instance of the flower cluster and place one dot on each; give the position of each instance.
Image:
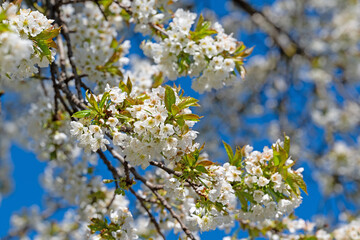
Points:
(49, 132)
(264, 183)
(13, 51)
(145, 13)
(269, 183)
(153, 125)
(120, 227)
(96, 50)
(207, 53)
(75, 226)
(219, 210)
(348, 231)
(342, 161)
(49, 229)
(300, 229)
(25, 42)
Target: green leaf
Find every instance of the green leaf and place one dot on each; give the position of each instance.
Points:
(106, 181)
(104, 99)
(158, 80)
(94, 103)
(82, 114)
(190, 117)
(174, 109)
(113, 70)
(48, 34)
(289, 180)
(114, 43)
(4, 27)
(237, 158)
(123, 87)
(196, 36)
(191, 160)
(229, 151)
(287, 144)
(2, 15)
(44, 49)
(188, 102)
(125, 15)
(243, 201)
(249, 197)
(199, 23)
(201, 169)
(170, 98)
(204, 163)
(275, 195)
(276, 157)
(279, 156)
(298, 181)
(239, 49)
(119, 191)
(247, 52)
(129, 85)
(180, 120)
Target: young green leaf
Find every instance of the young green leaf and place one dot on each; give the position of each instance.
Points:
(190, 117)
(82, 114)
(287, 144)
(129, 85)
(204, 163)
(104, 99)
(158, 80)
(44, 49)
(237, 157)
(229, 151)
(170, 98)
(199, 23)
(180, 120)
(48, 34)
(94, 103)
(188, 102)
(174, 109)
(123, 86)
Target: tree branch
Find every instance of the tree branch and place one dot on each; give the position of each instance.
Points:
(287, 45)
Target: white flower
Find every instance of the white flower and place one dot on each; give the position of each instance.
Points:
(119, 138)
(263, 181)
(276, 178)
(258, 195)
(77, 128)
(60, 138)
(99, 142)
(96, 130)
(112, 121)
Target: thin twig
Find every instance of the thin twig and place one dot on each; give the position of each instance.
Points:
(283, 39)
(152, 218)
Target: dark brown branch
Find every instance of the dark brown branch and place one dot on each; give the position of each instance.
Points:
(287, 45)
(65, 33)
(101, 10)
(116, 176)
(152, 218)
(178, 174)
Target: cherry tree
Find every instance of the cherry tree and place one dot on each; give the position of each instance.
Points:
(85, 102)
